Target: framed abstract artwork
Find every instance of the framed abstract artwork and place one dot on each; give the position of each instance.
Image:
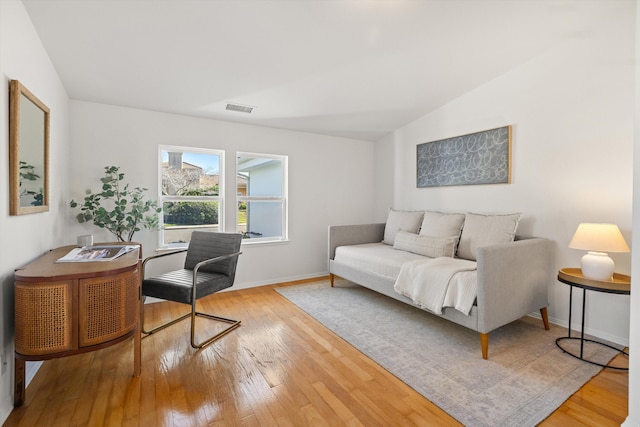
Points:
(476, 158)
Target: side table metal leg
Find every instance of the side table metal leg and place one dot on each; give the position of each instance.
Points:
(584, 300)
(570, 305)
(574, 278)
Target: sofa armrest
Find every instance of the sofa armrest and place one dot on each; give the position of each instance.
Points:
(513, 281)
(343, 235)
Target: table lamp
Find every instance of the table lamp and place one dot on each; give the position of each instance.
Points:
(598, 239)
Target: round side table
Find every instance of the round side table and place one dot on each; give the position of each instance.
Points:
(619, 284)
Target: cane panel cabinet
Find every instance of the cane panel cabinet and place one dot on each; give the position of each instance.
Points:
(62, 309)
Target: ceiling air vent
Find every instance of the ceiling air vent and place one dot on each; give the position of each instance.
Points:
(240, 108)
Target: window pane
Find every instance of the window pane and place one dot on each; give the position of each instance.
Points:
(181, 218)
(260, 176)
(190, 173)
(262, 196)
(191, 192)
(261, 219)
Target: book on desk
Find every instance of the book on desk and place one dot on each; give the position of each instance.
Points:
(97, 253)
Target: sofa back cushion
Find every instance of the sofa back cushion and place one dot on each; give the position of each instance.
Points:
(484, 230)
(438, 224)
(401, 220)
(429, 246)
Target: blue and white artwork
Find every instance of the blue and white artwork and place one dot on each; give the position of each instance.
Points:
(477, 158)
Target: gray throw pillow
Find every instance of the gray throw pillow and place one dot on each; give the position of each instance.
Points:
(401, 220)
(484, 230)
(438, 224)
(430, 246)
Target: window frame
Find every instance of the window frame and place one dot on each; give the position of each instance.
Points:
(284, 198)
(220, 198)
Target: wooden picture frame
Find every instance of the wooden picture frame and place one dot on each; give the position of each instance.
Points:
(28, 152)
(476, 158)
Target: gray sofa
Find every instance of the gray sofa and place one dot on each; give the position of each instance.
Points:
(512, 278)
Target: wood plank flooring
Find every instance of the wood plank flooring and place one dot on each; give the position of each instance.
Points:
(280, 368)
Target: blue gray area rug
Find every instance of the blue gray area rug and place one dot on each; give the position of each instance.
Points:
(524, 380)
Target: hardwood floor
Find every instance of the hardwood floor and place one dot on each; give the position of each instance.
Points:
(280, 367)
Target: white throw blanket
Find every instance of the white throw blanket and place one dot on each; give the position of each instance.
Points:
(427, 283)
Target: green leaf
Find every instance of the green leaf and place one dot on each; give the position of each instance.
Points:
(119, 210)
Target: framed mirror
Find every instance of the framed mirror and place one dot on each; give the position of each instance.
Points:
(28, 152)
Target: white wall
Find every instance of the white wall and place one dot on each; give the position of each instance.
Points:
(571, 109)
(329, 178)
(633, 420)
(23, 58)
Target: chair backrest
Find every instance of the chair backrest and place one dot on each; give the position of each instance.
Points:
(208, 244)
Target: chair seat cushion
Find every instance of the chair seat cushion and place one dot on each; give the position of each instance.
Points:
(176, 285)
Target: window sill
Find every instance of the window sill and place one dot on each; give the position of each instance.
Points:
(245, 243)
(170, 248)
(249, 242)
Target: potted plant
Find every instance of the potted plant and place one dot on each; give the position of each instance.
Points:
(117, 208)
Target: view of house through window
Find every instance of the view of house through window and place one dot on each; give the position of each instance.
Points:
(191, 193)
(262, 196)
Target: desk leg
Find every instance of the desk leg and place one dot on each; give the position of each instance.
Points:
(137, 336)
(18, 386)
(136, 352)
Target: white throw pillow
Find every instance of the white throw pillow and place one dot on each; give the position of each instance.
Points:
(484, 230)
(401, 220)
(438, 224)
(430, 246)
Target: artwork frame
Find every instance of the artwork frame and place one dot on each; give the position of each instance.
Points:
(28, 152)
(477, 158)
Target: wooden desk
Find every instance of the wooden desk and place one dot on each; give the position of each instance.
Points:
(62, 309)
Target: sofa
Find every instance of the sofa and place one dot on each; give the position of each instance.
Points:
(508, 274)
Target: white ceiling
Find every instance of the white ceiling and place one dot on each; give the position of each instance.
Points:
(353, 68)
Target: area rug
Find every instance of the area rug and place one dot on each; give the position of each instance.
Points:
(524, 380)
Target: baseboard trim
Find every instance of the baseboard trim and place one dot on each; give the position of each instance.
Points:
(589, 331)
(282, 280)
(629, 422)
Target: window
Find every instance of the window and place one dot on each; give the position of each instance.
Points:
(262, 197)
(191, 193)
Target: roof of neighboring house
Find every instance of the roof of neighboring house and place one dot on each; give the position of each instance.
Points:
(211, 180)
(185, 165)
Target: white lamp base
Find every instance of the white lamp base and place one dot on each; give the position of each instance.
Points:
(597, 266)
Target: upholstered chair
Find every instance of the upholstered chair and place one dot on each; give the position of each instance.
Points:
(209, 267)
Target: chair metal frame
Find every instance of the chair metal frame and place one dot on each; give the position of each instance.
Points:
(233, 324)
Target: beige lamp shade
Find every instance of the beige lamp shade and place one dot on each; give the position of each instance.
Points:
(598, 239)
